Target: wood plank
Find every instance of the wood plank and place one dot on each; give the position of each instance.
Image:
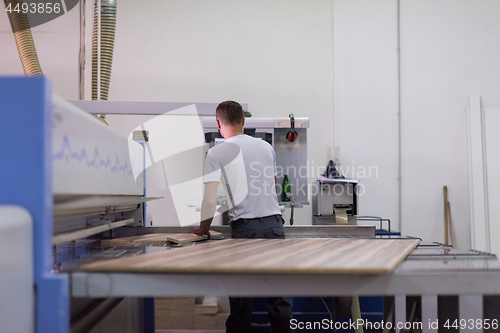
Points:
(124, 241)
(158, 239)
(344, 224)
(210, 322)
(272, 256)
(220, 320)
(172, 303)
(174, 312)
(206, 309)
(188, 238)
(208, 305)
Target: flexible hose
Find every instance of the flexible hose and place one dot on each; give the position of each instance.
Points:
(95, 54)
(24, 39)
(107, 43)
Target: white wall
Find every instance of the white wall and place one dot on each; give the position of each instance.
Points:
(366, 102)
(449, 50)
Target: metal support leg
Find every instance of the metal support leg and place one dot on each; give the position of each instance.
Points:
(400, 311)
(149, 315)
(429, 314)
(471, 308)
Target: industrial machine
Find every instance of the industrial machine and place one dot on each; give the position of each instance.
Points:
(73, 177)
(93, 182)
(69, 182)
(335, 200)
(291, 155)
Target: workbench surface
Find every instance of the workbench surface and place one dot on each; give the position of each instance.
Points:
(254, 256)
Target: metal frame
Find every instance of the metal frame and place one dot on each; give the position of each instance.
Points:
(25, 136)
(63, 238)
(432, 270)
(398, 283)
(144, 108)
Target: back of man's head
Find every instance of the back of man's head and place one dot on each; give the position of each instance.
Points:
(230, 113)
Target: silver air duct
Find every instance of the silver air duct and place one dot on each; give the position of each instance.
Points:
(103, 42)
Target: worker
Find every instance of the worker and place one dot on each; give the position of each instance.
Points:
(247, 167)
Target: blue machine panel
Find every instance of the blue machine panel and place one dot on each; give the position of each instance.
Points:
(25, 147)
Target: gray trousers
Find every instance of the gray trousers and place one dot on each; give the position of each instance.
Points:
(278, 308)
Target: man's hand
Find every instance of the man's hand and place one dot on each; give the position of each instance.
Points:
(203, 229)
(198, 231)
(207, 209)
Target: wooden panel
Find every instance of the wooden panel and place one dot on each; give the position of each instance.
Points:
(307, 256)
(174, 312)
(210, 322)
(183, 313)
(152, 240)
(208, 305)
(187, 238)
(124, 241)
(158, 239)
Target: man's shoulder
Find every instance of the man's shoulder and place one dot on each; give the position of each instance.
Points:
(265, 144)
(245, 142)
(225, 149)
(258, 141)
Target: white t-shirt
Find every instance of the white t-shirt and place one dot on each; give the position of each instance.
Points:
(247, 167)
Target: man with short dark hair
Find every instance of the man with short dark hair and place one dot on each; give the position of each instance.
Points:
(247, 167)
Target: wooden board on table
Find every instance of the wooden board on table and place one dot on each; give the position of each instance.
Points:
(188, 238)
(207, 305)
(341, 224)
(124, 241)
(158, 239)
(272, 256)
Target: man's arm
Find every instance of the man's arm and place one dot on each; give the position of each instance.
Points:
(207, 209)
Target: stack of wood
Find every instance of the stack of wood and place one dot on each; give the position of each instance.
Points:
(188, 313)
(174, 312)
(207, 316)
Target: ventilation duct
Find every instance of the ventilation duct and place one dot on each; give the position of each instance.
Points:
(103, 42)
(24, 39)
